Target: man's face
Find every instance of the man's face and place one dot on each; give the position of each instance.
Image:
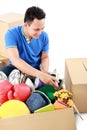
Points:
(35, 28)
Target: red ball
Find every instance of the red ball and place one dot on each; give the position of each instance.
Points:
(21, 91)
(5, 87)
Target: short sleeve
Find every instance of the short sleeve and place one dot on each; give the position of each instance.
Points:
(10, 39)
(45, 43)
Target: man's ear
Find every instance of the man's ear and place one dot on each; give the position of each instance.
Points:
(26, 24)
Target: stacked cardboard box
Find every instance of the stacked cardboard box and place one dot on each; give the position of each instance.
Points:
(7, 21)
(76, 81)
(3, 61)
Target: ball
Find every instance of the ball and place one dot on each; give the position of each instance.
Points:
(13, 108)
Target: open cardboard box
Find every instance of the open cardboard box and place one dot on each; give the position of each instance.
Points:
(76, 81)
(62, 119)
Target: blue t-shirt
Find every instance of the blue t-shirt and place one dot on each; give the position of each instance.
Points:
(31, 53)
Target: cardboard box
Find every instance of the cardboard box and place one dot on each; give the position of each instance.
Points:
(76, 81)
(3, 61)
(53, 120)
(7, 21)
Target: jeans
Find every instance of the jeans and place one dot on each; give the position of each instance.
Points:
(7, 69)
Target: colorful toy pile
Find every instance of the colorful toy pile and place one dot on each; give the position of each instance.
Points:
(25, 97)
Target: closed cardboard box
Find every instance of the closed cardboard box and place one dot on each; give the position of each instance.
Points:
(7, 21)
(53, 120)
(76, 81)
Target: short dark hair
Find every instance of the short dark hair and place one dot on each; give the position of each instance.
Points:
(32, 13)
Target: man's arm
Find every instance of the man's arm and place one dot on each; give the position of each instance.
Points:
(28, 69)
(21, 64)
(45, 62)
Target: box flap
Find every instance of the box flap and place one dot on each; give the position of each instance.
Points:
(85, 64)
(11, 17)
(53, 120)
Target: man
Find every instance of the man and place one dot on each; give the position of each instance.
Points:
(27, 47)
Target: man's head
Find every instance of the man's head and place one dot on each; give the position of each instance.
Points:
(34, 21)
(34, 13)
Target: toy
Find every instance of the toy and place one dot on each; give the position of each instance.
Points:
(25, 79)
(20, 92)
(5, 87)
(38, 83)
(65, 96)
(13, 108)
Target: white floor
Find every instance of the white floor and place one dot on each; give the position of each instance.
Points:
(81, 124)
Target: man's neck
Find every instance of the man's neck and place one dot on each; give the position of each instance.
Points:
(24, 32)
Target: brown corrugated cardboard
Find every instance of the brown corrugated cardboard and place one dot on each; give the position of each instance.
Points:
(53, 120)
(7, 21)
(76, 81)
(3, 61)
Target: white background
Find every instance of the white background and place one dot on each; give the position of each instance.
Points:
(66, 24)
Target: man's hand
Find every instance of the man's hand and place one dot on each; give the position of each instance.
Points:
(49, 79)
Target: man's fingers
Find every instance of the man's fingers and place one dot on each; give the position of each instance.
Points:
(54, 79)
(55, 84)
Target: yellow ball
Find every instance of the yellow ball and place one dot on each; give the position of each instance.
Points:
(13, 108)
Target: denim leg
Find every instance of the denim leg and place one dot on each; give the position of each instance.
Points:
(7, 69)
